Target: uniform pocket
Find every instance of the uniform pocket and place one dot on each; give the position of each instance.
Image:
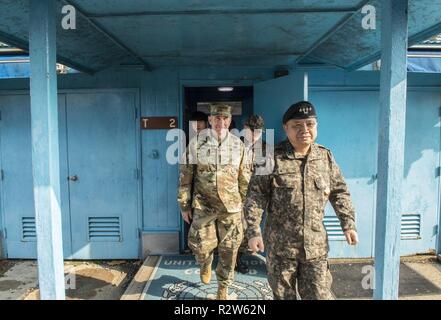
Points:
(316, 224)
(285, 181)
(322, 185)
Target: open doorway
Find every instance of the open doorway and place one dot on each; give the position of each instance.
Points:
(198, 99)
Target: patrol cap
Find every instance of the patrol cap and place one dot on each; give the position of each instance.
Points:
(220, 109)
(255, 122)
(300, 110)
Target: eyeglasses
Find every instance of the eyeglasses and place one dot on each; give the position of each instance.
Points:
(301, 126)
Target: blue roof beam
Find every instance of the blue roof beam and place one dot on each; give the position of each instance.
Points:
(24, 45)
(224, 12)
(109, 35)
(334, 30)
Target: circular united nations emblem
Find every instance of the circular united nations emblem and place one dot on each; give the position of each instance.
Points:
(184, 290)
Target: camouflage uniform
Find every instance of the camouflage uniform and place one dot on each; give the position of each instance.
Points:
(256, 158)
(294, 191)
(214, 183)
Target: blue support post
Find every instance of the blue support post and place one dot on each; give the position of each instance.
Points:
(391, 147)
(45, 153)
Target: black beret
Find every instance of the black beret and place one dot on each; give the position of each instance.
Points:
(300, 110)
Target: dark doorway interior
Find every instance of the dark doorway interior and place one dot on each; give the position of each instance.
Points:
(198, 99)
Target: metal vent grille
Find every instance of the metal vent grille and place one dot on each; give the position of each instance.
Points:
(104, 229)
(410, 226)
(28, 229)
(333, 228)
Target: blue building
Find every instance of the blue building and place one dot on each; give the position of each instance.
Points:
(73, 147)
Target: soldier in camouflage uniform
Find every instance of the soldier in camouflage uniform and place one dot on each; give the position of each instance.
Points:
(294, 190)
(213, 182)
(255, 149)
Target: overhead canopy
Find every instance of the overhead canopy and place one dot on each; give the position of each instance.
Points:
(153, 33)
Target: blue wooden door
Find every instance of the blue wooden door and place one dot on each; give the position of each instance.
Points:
(17, 195)
(103, 175)
(347, 124)
(420, 205)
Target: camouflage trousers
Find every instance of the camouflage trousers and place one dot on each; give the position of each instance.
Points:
(312, 278)
(221, 230)
(243, 248)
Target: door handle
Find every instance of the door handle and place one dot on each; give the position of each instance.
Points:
(73, 178)
(154, 154)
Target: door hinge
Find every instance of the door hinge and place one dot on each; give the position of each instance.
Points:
(138, 233)
(0, 115)
(136, 113)
(2, 174)
(438, 172)
(137, 174)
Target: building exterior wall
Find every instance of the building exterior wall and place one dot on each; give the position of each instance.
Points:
(348, 111)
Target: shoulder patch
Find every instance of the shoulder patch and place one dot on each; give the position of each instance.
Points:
(322, 147)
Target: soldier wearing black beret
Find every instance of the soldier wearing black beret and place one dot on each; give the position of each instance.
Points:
(302, 177)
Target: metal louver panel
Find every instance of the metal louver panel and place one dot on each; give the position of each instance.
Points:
(333, 228)
(410, 226)
(28, 229)
(104, 229)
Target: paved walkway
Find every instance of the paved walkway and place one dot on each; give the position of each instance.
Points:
(420, 278)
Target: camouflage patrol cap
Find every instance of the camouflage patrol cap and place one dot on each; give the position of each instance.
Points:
(220, 109)
(299, 110)
(255, 122)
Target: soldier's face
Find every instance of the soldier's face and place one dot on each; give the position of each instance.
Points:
(301, 132)
(198, 126)
(219, 123)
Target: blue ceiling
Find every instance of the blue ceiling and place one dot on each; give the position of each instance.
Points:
(154, 33)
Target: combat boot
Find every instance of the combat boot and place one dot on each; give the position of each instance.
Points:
(222, 292)
(205, 273)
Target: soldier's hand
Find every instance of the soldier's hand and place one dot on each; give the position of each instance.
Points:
(256, 244)
(351, 237)
(186, 215)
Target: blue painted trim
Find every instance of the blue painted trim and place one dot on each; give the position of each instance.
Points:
(139, 167)
(199, 83)
(162, 230)
(3, 239)
(181, 101)
(438, 242)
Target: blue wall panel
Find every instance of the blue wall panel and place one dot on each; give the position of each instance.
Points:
(159, 98)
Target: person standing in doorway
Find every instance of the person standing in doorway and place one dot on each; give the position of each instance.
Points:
(213, 182)
(255, 149)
